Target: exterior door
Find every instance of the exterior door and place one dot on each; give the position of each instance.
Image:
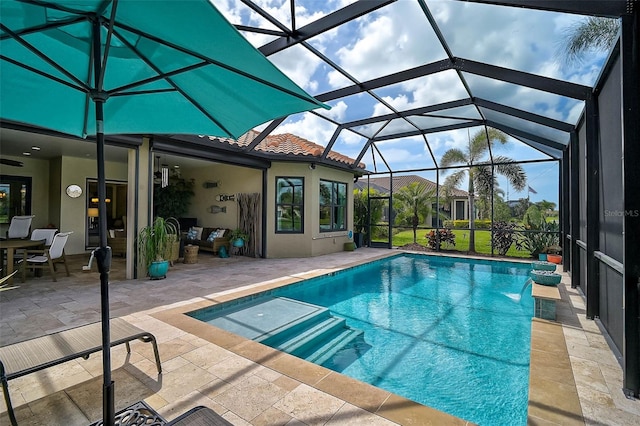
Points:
(380, 233)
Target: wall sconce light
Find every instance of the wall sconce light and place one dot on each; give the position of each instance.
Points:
(312, 166)
(217, 209)
(212, 184)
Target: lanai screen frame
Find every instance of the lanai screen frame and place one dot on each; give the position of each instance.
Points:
(571, 185)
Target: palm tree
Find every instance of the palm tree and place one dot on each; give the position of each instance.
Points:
(478, 171)
(593, 33)
(413, 204)
(484, 197)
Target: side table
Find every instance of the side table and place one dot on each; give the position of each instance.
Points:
(191, 253)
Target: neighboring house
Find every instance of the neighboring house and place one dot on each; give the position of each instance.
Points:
(305, 207)
(456, 209)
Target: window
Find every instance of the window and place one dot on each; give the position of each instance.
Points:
(333, 206)
(290, 205)
(15, 197)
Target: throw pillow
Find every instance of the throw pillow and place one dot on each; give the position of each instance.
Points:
(192, 234)
(198, 230)
(212, 236)
(221, 232)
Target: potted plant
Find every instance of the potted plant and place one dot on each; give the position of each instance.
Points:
(237, 237)
(154, 244)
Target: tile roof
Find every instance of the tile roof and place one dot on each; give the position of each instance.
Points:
(288, 144)
(401, 181)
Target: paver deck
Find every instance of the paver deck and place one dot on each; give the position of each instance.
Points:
(251, 384)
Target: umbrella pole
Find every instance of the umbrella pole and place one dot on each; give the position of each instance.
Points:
(103, 253)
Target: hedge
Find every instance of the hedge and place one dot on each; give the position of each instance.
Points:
(464, 224)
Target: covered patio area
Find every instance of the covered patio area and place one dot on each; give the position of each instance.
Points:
(574, 376)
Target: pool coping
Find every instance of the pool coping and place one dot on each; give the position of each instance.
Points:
(553, 394)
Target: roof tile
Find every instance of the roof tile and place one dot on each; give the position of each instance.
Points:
(288, 144)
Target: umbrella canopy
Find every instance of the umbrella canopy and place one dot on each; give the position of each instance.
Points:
(90, 67)
(167, 67)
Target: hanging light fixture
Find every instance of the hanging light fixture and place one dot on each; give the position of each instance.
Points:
(96, 199)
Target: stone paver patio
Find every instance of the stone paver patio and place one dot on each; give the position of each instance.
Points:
(575, 378)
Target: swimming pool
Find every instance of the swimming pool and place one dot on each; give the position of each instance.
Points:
(450, 333)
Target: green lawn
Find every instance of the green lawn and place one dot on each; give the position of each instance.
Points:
(483, 242)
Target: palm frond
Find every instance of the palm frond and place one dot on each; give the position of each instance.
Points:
(590, 34)
(4, 283)
(454, 180)
(453, 157)
(479, 144)
(514, 173)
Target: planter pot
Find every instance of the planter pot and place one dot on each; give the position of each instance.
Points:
(158, 270)
(350, 246)
(238, 242)
(358, 239)
(554, 258)
(543, 266)
(546, 277)
(542, 256)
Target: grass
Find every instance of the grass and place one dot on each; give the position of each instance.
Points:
(483, 242)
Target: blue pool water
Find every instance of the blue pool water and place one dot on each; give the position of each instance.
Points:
(450, 333)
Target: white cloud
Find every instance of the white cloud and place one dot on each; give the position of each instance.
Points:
(387, 41)
(308, 126)
(299, 65)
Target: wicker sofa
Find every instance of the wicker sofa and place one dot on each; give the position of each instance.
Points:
(211, 246)
(117, 242)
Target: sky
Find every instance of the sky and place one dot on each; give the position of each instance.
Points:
(398, 37)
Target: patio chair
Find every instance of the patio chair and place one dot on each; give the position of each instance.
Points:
(45, 234)
(19, 227)
(48, 257)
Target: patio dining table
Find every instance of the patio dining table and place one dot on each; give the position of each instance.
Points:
(16, 244)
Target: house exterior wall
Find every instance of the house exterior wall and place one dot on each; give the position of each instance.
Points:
(233, 180)
(312, 242)
(73, 211)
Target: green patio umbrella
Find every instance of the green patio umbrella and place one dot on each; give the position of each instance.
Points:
(95, 67)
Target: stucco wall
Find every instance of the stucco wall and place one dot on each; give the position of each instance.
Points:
(73, 214)
(312, 242)
(233, 180)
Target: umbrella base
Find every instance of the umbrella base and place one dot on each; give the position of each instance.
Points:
(137, 414)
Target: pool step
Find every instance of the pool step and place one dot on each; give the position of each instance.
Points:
(315, 336)
(329, 349)
(280, 335)
(311, 336)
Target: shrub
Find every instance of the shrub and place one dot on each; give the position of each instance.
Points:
(443, 236)
(503, 236)
(464, 224)
(536, 242)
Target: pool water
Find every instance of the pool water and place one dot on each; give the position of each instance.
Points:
(453, 334)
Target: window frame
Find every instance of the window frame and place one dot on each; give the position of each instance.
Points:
(333, 206)
(24, 207)
(291, 205)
